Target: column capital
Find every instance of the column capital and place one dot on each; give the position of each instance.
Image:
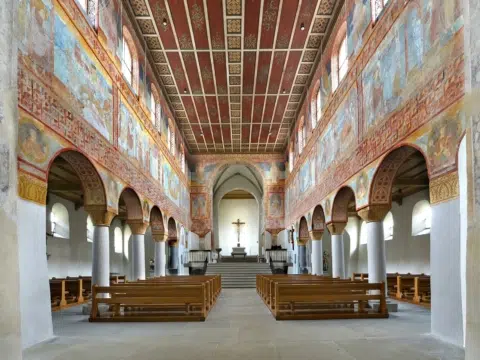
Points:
(302, 242)
(99, 215)
(138, 226)
(374, 213)
(159, 237)
(316, 235)
(336, 228)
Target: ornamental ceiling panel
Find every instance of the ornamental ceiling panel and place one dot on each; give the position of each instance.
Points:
(235, 72)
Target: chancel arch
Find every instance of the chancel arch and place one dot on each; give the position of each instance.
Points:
(233, 178)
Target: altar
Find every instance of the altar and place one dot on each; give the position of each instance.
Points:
(238, 251)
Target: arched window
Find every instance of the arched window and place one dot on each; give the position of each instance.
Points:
(89, 229)
(171, 137)
(126, 239)
(363, 233)
(118, 240)
(182, 158)
(342, 60)
(59, 222)
(319, 105)
(377, 8)
(154, 106)
(421, 218)
(89, 7)
(314, 104)
(127, 63)
(301, 135)
(340, 57)
(129, 60)
(388, 227)
(290, 158)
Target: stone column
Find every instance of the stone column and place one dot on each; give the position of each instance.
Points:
(317, 252)
(160, 258)
(101, 245)
(302, 255)
(338, 257)
(10, 328)
(173, 259)
(471, 13)
(377, 263)
(138, 248)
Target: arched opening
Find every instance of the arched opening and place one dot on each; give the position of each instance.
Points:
(247, 179)
(59, 221)
(303, 238)
(402, 183)
(238, 222)
(343, 228)
(173, 242)
(319, 266)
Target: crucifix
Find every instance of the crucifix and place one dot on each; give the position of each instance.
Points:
(238, 223)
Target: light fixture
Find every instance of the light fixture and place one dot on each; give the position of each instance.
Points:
(164, 22)
(302, 26)
(284, 91)
(185, 90)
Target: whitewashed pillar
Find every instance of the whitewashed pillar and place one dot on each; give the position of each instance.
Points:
(317, 251)
(138, 248)
(338, 258)
(160, 257)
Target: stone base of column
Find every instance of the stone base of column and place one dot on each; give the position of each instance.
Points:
(391, 307)
(87, 308)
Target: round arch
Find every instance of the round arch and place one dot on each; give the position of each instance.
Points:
(383, 179)
(130, 200)
(156, 220)
(318, 218)
(341, 203)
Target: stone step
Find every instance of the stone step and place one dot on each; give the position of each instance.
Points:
(238, 274)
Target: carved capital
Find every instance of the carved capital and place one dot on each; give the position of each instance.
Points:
(173, 242)
(374, 213)
(444, 188)
(316, 235)
(159, 237)
(274, 232)
(31, 188)
(99, 215)
(302, 241)
(138, 227)
(336, 228)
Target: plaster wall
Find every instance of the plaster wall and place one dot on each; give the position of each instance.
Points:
(405, 253)
(463, 198)
(193, 241)
(447, 322)
(10, 321)
(247, 211)
(36, 316)
(73, 256)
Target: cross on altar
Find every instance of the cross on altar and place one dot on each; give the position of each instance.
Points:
(238, 223)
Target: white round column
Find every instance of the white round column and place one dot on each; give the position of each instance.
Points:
(338, 256)
(160, 258)
(101, 256)
(377, 269)
(317, 251)
(138, 256)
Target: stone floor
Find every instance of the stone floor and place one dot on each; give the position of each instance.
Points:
(241, 327)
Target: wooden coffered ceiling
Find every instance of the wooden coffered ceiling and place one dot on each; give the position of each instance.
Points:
(235, 71)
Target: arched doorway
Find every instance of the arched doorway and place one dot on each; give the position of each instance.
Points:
(247, 179)
(240, 207)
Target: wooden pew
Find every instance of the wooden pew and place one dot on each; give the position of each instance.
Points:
(359, 276)
(310, 301)
(150, 302)
(66, 292)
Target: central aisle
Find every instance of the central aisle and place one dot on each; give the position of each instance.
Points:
(241, 327)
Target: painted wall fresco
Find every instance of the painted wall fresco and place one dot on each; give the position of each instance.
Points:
(276, 205)
(69, 89)
(171, 183)
(134, 141)
(84, 78)
(35, 31)
(358, 20)
(199, 206)
(411, 70)
(385, 76)
(110, 26)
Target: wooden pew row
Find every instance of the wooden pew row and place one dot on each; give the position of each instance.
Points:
(292, 297)
(66, 293)
(172, 298)
(391, 281)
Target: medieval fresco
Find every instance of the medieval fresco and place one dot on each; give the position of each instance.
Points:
(273, 171)
(275, 205)
(113, 188)
(171, 183)
(35, 31)
(83, 77)
(110, 26)
(357, 22)
(199, 206)
(341, 132)
(326, 83)
(385, 76)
